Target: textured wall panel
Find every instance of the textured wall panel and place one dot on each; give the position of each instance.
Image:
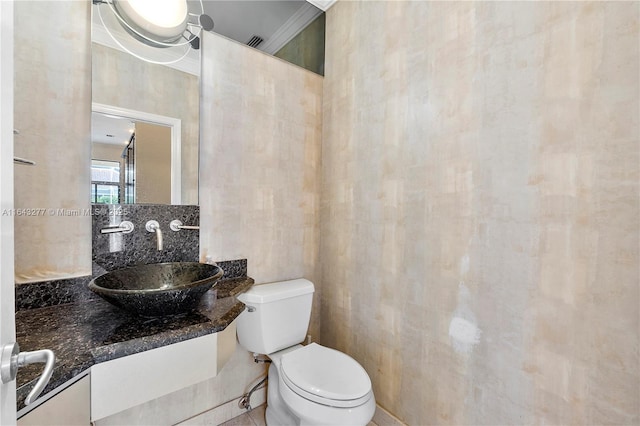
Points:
(479, 214)
(260, 162)
(53, 114)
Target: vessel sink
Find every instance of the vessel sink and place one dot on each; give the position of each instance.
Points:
(157, 289)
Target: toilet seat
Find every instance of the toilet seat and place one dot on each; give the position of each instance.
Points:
(325, 376)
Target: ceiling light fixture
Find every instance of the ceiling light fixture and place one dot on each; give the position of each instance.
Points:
(156, 31)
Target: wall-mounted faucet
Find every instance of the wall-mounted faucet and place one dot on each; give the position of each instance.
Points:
(177, 225)
(154, 226)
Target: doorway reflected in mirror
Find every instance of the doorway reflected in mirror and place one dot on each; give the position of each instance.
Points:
(131, 160)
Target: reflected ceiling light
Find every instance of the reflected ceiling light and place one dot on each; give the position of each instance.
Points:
(148, 22)
(152, 25)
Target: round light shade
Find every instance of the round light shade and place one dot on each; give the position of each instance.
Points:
(162, 21)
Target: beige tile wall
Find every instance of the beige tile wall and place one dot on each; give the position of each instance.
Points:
(52, 113)
(479, 213)
(260, 162)
(124, 81)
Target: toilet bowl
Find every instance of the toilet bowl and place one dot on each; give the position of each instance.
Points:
(308, 385)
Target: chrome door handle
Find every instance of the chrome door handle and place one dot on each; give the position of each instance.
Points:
(11, 359)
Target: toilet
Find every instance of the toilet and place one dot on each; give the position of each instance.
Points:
(308, 385)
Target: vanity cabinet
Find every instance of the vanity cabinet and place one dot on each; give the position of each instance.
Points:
(69, 407)
(122, 383)
(125, 382)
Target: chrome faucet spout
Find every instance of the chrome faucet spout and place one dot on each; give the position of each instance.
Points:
(154, 226)
(159, 234)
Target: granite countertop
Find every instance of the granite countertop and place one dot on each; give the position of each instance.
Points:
(94, 331)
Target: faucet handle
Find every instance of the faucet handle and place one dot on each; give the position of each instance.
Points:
(125, 227)
(177, 225)
(152, 225)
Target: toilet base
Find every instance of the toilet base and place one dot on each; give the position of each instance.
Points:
(279, 413)
(273, 418)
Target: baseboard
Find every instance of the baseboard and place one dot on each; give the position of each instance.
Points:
(230, 410)
(384, 418)
(226, 411)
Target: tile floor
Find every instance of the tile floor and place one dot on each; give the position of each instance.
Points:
(255, 417)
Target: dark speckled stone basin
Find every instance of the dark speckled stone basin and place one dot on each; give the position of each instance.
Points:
(157, 289)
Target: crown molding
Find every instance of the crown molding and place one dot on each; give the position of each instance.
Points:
(291, 28)
(190, 64)
(322, 4)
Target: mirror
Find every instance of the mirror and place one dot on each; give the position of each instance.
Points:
(292, 30)
(135, 157)
(144, 93)
(58, 74)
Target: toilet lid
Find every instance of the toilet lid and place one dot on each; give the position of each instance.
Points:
(326, 376)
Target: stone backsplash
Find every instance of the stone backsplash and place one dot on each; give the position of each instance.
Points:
(119, 250)
(116, 251)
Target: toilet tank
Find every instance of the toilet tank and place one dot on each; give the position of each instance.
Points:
(277, 315)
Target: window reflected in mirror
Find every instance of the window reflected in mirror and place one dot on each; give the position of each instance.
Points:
(105, 182)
